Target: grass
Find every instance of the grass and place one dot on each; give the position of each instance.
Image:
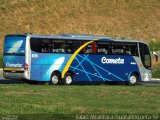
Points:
(101, 99)
(156, 71)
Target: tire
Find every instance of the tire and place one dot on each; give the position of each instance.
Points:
(55, 79)
(133, 79)
(68, 79)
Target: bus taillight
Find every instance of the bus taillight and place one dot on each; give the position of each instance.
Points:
(26, 66)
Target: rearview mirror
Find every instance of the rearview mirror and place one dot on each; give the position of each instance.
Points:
(156, 56)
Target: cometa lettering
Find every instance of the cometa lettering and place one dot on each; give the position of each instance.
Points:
(18, 65)
(105, 60)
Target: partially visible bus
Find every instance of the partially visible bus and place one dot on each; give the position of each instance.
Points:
(74, 58)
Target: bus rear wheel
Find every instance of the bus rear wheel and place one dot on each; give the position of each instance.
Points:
(68, 79)
(55, 79)
(133, 79)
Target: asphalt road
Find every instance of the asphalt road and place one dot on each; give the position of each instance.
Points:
(7, 81)
(154, 82)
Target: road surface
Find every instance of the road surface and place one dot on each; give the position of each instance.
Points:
(6, 81)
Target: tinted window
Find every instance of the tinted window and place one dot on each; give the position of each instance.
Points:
(72, 46)
(58, 46)
(40, 45)
(145, 55)
(54, 45)
(118, 48)
(103, 48)
(14, 44)
(131, 49)
(35, 45)
(90, 48)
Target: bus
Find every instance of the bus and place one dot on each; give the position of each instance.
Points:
(75, 58)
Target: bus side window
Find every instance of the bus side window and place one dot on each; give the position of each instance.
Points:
(90, 48)
(131, 49)
(118, 48)
(45, 47)
(35, 45)
(62, 48)
(73, 45)
(103, 47)
(58, 46)
(70, 47)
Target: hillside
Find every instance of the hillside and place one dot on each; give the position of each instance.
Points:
(133, 19)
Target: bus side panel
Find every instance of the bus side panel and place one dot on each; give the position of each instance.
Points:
(43, 64)
(35, 72)
(115, 67)
(101, 68)
(76, 68)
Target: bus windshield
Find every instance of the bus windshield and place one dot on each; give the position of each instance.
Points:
(145, 55)
(14, 45)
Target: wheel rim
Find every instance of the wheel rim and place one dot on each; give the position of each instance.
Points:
(54, 79)
(133, 79)
(68, 80)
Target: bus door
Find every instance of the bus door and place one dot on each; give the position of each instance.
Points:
(145, 56)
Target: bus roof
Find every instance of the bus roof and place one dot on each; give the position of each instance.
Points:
(79, 37)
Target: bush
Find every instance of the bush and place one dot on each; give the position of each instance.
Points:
(156, 73)
(154, 45)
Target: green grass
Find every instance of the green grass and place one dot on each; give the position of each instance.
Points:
(156, 71)
(96, 99)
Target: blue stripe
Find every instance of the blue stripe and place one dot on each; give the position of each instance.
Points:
(84, 70)
(96, 69)
(89, 73)
(80, 63)
(104, 69)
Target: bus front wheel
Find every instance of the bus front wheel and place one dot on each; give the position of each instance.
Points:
(133, 79)
(55, 79)
(68, 79)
